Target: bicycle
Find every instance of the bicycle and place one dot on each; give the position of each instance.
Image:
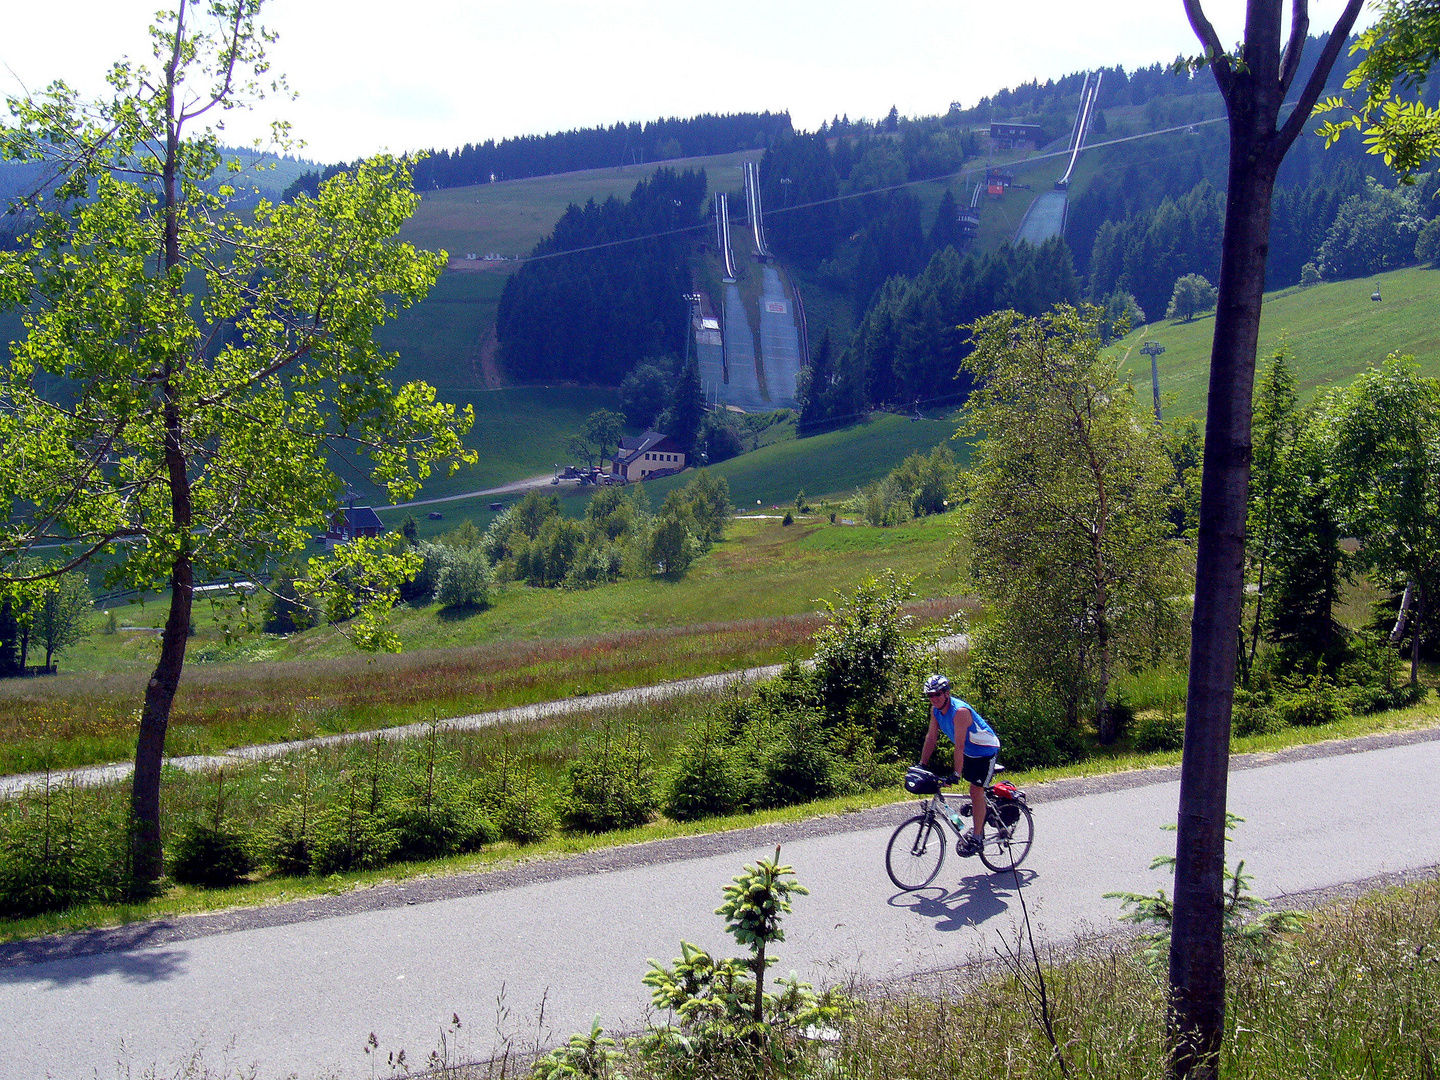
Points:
(917, 848)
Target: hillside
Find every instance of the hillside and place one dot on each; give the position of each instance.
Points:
(1334, 329)
(511, 217)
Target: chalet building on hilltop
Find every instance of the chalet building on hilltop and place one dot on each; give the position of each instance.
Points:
(649, 456)
(1013, 136)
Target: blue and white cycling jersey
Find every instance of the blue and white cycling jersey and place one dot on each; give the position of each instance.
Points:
(980, 739)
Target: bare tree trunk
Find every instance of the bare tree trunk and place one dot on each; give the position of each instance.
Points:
(1397, 632)
(1253, 92)
(1415, 624)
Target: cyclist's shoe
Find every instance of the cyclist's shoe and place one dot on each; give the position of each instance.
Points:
(968, 845)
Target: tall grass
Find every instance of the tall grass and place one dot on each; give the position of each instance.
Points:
(1356, 994)
(75, 720)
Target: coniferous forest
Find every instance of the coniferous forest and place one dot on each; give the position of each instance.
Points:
(603, 293)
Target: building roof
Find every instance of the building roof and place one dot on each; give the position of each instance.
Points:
(364, 518)
(632, 446)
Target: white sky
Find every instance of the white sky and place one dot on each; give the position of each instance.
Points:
(441, 73)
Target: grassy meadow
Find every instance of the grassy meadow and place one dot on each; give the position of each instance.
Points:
(1334, 329)
(753, 599)
(441, 339)
(832, 464)
(511, 217)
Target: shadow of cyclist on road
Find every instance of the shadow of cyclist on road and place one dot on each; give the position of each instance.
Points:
(977, 899)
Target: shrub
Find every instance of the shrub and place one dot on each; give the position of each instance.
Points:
(443, 828)
(1253, 714)
(55, 854)
(210, 855)
(422, 586)
(797, 763)
(516, 804)
(613, 785)
(867, 671)
(464, 580)
(351, 834)
(1157, 730)
(287, 846)
(1034, 733)
(705, 779)
(1317, 702)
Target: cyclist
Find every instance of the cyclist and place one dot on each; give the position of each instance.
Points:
(974, 754)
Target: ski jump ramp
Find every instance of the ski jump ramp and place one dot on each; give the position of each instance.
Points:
(1046, 215)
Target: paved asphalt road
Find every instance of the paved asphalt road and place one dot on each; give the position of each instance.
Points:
(299, 989)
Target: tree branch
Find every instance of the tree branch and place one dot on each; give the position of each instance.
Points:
(1214, 51)
(1299, 32)
(1305, 105)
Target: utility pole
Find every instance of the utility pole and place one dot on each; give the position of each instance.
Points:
(1153, 349)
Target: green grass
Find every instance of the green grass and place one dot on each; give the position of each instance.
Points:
(509, 218)
(1335, 330)
(833, 464)
(1355, 993)
(519, 432)
(440, 339)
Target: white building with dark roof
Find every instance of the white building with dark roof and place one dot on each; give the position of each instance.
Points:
(647, 456)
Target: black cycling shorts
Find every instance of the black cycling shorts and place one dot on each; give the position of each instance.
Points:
(979, 770)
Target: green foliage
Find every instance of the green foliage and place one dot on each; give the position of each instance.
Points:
(1065, 535)
(286, 612)
(613, 785)
(55, 854)
(591, 1055)
(60, 618)
(645, 394)
(516, 802)
(706, 779)
(1427, 242)
(1250, 930)
(720, 1017)
(1122, 314)
(866, 667)
(1375, 230)
(1036, 732)
(598, 437)
(1193, 294)
(1312, 702)
(211, 856)
(1400, 48)
(1159, 730)
(1382, 453)
(797, 763)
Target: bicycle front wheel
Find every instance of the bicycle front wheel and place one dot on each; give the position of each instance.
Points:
(1009, 831)
(916, 852)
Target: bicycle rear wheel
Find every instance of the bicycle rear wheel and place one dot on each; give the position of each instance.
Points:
(1009, 832)
(916, 852)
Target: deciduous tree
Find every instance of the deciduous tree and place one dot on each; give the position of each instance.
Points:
(1192, 295)
(188, 369)
(1066, 525)
(1254, 83)
(1384, 463)
(60, 616)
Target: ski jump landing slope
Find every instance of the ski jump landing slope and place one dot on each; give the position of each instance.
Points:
(1046, 216)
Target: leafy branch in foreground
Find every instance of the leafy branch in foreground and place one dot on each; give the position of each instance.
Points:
(188, 369)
